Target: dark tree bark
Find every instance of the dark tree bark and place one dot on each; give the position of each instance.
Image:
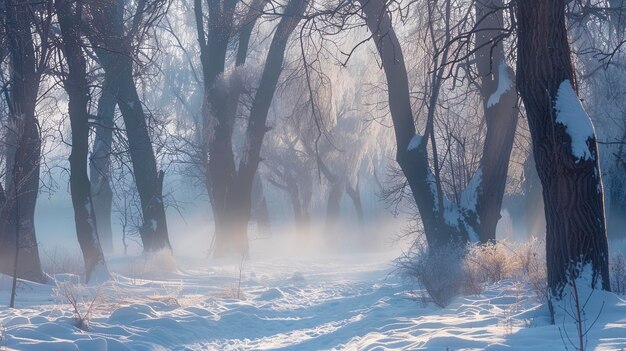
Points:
(100, 166)
(500, 113)
(149, 181)
(567, 165)
(616, 223)
(20, 244)
(411, 152)
(114, 52)
(77, 89)
(474, 221)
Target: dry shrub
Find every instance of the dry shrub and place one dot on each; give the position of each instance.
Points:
(466, 269)
(230, 291)
(82, 302)
(487, 263)
(438, 271)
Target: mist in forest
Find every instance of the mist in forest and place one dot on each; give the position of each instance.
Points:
(286, 154)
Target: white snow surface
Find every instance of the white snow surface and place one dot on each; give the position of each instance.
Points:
(504, 84)
(571, 114)
(468, 196)
(330, 303)
(414, 143)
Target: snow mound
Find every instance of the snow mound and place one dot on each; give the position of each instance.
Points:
(271, 294)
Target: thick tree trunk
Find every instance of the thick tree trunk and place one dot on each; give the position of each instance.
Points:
(216, 148)
(20, 244)
(564, 145)
(100, 166)
(78, 91)
(231, 187)
(501, 113)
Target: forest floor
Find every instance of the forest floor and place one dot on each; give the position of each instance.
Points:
(336, 303)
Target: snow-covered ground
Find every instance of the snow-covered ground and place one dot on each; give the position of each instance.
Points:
(337, 303)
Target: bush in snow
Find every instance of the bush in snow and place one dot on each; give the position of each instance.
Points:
(618, 273)
(529, 265)
(438, 271)
(487, 263)
(82, 302)
(466, 269)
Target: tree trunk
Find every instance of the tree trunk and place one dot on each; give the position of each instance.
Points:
(231, 186)
(567, 161)
(355, 196)
(100, 166)
(78, 91)
(217, 129)
(153, 232)
(534, 208)
(333, 204)
(260, 211)
(616, 225)
(115, 56)
(411, 152)
(23, 188)
(441, 221)
(301, 216)
(500, 110)
(335, 193)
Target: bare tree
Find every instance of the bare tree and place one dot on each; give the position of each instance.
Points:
(442, 220)
(114, 40)
(19, 255)
(76, 86)
(229, 184)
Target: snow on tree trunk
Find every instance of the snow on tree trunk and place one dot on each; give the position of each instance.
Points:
(500, 114)
(476, 218)
(564, 147)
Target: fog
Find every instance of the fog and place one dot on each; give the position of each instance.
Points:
(316, 168)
